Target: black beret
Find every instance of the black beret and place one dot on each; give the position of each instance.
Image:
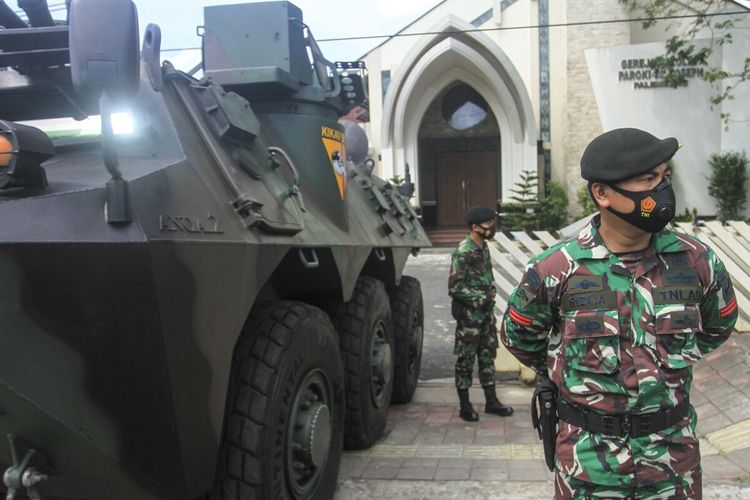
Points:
(478, 214)
(624, 152)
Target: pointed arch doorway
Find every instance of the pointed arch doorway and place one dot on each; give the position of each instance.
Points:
(459, 158)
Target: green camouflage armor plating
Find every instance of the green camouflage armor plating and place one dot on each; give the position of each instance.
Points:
(470, 285)
(616, 341)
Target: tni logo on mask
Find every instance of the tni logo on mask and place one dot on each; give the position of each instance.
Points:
(647, 206)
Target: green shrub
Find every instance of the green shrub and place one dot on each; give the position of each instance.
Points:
(528, 213)
(553, 210)
(727, 183)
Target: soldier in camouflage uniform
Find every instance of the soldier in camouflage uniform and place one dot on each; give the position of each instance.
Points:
(471, 287)
(616, 318)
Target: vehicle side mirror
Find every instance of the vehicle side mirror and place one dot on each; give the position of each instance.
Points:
(104, 47)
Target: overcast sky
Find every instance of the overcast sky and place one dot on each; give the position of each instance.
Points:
(326, 18)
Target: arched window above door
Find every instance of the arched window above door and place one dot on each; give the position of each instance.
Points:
(464, 108)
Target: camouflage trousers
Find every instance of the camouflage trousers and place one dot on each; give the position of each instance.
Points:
(665, 464)
(476, 339)
(686, 486)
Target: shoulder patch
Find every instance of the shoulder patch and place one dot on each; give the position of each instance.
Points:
(524, 297)
(532, 280)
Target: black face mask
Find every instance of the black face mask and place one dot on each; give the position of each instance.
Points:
(488, 232)
(653, 209)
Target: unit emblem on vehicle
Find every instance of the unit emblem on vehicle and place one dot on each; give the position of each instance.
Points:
(333, 141)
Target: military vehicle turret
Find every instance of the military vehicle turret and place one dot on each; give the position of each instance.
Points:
(202, 295)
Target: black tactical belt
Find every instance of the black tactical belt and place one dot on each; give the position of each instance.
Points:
(620, 425)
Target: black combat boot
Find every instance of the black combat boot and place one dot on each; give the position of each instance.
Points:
(493, 405)
(467, 411)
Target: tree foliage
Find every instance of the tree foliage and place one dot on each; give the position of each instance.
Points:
(727, 183)
(682, 49)
(529, 213)
(553, 209)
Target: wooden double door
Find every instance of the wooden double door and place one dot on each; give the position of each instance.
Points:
(464, 179)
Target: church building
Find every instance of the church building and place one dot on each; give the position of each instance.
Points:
(474, 93)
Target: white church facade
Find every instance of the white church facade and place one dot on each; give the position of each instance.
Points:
(475, 92)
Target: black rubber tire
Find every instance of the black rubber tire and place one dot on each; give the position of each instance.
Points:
(408, 313)
(280, 343)
(355, 322)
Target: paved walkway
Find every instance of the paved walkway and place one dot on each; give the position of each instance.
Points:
(427, 451)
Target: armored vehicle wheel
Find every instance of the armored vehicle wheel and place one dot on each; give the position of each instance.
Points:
(283, 431)
(366, 337)
(408, 329)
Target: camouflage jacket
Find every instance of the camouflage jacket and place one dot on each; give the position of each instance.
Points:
(615, 341)
(471, 281)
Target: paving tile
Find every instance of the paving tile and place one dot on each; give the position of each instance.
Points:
(735, 372)
(400, 438)
(738, 413)
(439, 418)
(440, 451)
(489, 475)
(349, 460)
(416, 473)
(741, 459)
(388, 472)
(490, 432)
(703, 371)
(495, 424)
(408, 425)
(488, 463)
(492, 440)
(460, 426)
(726, 359)
(697, 398)
(523, 437)
(528, 470)
(454, 463)
(729, 400)
(713, 423)
(718, 467)
(487, 452)
(717, 389)
(706, 410)
(443, 408)
(348, 472)
(709, 380)
(527, 451)
(421, 462)
(459, 437)
(429, 439)
(379, 462)
(452, 474)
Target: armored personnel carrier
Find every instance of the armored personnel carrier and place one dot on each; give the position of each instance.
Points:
(202, 296)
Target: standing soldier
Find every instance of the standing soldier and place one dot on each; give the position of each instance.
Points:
(471, 287)
(616, 319)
